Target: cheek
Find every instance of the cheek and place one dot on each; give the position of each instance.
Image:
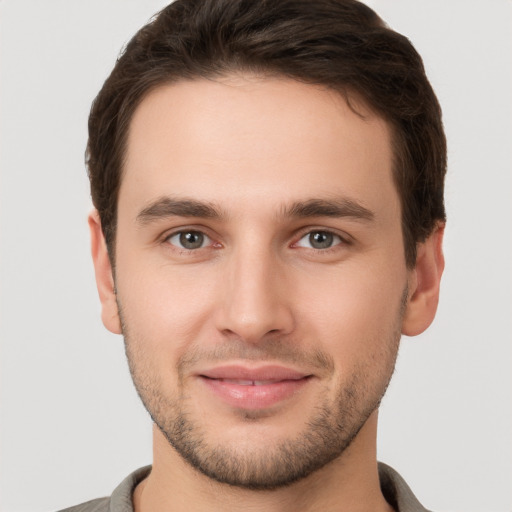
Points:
(163, 307)
(353, 311)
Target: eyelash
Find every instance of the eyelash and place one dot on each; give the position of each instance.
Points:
(343, 240)
(183, 250)
(335, 245)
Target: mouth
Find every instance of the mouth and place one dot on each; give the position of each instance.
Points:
(253, 388)
(241, 382)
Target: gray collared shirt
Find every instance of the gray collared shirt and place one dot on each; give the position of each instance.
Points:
(395, 490)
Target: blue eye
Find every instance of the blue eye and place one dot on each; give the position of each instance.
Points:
(189, 240)
(319, 240)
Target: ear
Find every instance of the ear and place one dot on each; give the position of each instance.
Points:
(104, 275)
(424, 282)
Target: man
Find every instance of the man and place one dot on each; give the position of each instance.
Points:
(268, 184)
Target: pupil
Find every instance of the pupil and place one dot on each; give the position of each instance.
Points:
(321, 240)
(191, 240)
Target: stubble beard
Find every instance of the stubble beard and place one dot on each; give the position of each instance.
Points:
(328, 432)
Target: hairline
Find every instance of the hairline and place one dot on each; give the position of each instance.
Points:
(349, 94)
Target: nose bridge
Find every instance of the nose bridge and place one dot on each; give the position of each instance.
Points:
(254, 304)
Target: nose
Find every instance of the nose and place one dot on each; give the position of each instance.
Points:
(255, 302)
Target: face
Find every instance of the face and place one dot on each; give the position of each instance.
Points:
(260, 273)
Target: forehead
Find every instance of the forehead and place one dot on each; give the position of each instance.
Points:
(254, 139)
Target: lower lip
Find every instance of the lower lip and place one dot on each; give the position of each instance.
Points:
(254, 397)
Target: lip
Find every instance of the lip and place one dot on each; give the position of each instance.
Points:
(253, 388)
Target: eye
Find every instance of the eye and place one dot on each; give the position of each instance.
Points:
(319, 240)
(189, 240)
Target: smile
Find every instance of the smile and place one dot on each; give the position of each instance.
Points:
(253, 388)
(249, 382)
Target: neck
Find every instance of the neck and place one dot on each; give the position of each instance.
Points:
(350, 482)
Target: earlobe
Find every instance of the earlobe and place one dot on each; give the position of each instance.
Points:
(104, 275)
(424, 284)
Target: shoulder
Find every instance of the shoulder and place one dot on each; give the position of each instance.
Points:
(396, 491)
(97, 505)
(121, 498)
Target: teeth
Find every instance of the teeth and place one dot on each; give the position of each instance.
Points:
(239, 382)
(248, 382)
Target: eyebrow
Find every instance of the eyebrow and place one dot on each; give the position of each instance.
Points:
(339, 207)
(170, 207)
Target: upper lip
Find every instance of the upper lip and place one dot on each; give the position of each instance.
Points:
(262, 373)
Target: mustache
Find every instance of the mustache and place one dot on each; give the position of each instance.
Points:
(271, 350)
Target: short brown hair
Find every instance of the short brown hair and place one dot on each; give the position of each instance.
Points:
(341, 44)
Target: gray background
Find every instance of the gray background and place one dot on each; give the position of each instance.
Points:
(71, 424)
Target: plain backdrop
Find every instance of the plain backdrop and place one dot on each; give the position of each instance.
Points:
(71, 424)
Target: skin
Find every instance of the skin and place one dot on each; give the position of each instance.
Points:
(258, 291)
